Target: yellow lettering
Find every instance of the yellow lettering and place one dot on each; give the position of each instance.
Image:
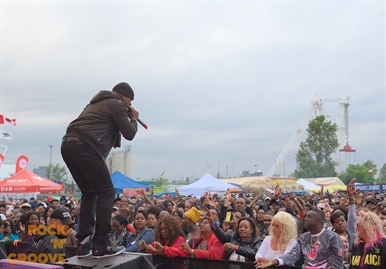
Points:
(60, 230)
(51, 229)
(355, 260)
(11, 256)
(42, 258)
(42, 230)
(57, 243)
(32, 257)
(32, 228)
(61, 257)
(22, 257)
(52, 257)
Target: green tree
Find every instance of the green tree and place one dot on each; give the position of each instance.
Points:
(313, 158)
(382, 175)
(364, 173)
(58, 172)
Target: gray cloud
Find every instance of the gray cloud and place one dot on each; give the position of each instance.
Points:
(219, 83)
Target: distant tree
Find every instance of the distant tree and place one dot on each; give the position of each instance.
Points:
(364, 173)
(58, 172)
(313, 158)
(382, 175)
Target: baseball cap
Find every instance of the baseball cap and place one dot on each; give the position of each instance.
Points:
(62, 215)
(373, 201)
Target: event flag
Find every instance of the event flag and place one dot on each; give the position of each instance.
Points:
(1, 159)
(21, 163)
(5, 135)
(4, 120)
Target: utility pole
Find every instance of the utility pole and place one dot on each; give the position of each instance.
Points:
(50, 146)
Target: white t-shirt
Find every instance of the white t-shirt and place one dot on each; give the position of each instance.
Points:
(265, 251)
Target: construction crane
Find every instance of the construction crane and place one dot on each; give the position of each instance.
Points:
(316, 110)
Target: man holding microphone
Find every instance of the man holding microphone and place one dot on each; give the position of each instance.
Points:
(85, 147)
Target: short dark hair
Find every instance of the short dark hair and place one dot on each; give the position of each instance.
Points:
(337, 214)
(320, 214)
(121, 219)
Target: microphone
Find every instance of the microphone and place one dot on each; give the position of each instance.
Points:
(142, 123)
(139, 120)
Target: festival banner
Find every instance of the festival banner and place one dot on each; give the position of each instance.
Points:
(21, 163)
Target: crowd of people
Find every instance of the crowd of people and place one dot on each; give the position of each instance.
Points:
(323, 230)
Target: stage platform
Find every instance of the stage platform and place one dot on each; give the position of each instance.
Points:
(124, 260)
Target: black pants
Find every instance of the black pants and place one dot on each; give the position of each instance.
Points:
(93, 178)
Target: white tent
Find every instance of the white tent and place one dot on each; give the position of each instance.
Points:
(308, 185)
(206, 183)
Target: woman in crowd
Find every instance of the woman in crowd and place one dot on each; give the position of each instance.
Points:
(153, 216)
(47, 213)
(142, 232)
(168, 233)
(346, 254)
(177, 214)
(339, 225)
(120, 234)
(260, 212)
(8, 231)
(243, 244)
(267, 223)
(168, 206)
(128, 214)
(206, 246)
(27, 223)
(281, 239)
(369, 249)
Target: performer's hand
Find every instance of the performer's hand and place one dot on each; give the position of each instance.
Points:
(132, 113)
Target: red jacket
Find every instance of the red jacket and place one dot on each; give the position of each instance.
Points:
(215, 250)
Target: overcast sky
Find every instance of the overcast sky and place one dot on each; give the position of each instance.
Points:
(222, 85)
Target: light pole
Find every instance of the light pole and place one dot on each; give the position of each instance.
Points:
(256, 169)
(50, 146)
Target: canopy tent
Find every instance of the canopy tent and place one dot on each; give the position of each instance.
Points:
(26, 181)
(120, 182)
(242, 180)
(207, 183)
(329, 183)
(308, 185)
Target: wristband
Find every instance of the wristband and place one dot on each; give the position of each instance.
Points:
(237, 248)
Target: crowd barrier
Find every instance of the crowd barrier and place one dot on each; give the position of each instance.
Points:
(125, 260)
(162, 262)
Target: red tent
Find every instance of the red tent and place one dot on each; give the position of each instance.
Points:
(26, 181)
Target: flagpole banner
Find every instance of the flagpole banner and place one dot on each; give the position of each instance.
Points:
(1, 159)
(4, 120)
(6, 135)
(21, 163)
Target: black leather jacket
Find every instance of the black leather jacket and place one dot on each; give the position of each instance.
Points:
(247, 249)
(99, 125)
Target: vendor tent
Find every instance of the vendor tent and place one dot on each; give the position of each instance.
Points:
(242, 180)
(329, 183)
(26, 181)
(308, 185)
(120, 182)
(207, 183)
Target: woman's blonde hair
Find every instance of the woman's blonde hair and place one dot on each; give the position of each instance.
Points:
(373, 227)
(288, 227)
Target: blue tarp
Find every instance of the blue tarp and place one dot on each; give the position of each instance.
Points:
(120, 182)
